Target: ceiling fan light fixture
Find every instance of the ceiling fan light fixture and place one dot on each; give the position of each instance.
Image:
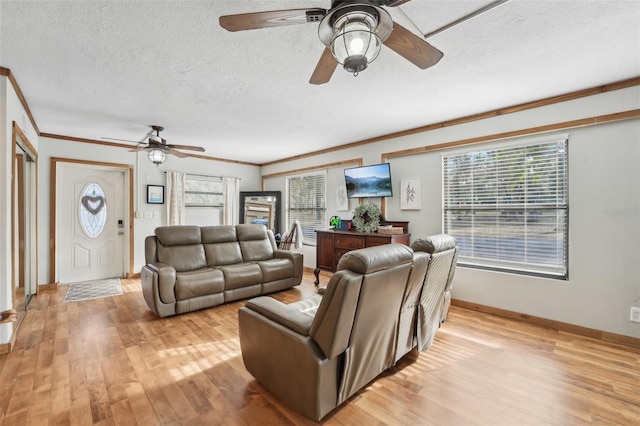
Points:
(157, 156)
(355, 43)
(354, 33)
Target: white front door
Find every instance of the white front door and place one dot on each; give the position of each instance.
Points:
(91, 223)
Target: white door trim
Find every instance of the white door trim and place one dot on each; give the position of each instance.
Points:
(128, 252)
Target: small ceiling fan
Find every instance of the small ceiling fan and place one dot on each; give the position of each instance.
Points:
(158, 148)
(351, 30)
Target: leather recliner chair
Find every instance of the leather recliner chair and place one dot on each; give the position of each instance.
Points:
(435, 298)
(315, 354)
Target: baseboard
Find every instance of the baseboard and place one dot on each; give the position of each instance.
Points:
(5, 348)
(53, 286)
(555, 325)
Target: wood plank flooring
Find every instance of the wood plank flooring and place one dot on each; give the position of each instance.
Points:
(110, 361)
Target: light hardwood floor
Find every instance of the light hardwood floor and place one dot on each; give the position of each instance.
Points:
(110, 361)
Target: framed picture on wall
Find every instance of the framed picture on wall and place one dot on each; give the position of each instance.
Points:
(155, 194)
(342, 202)
(410, 194)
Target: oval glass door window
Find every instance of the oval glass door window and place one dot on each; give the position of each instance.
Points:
(93, 210)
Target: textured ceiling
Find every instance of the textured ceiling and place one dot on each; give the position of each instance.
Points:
(96, 69)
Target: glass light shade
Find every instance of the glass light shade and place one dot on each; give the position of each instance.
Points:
(157, 156)
(355, 43)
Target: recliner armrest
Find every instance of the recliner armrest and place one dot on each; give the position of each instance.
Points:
(286, 254)
(281, 314)
(295, 257)
(166, 280)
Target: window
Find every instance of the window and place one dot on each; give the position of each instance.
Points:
(307, 203)
(508, 207)
(203, 191)
(93, 210)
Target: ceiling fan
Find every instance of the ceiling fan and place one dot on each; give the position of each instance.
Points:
(351, 30)
(158, 148)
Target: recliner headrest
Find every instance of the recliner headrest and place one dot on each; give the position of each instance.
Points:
(372, 259)
(178, 235)
(434, 244)
(250, 232)
(218, 234)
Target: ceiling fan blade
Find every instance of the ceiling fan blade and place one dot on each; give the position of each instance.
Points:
(138, 148)
(413, 48)
(325, 68)
(192, 148)
(397, 3)
(274, 18)
(177, 153)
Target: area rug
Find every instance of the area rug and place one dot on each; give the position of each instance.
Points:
(92, 290)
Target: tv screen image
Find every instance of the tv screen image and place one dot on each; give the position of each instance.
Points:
(368, 181)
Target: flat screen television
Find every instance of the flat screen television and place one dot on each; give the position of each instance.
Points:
(368, 181)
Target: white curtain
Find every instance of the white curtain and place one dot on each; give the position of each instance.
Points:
(231, 193)
(175, 198)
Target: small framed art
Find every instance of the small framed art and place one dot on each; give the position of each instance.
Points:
(411, 197)
(155, 194)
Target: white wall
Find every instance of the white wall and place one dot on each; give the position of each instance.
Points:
(604, 217)
(11, 110)
(145, 173)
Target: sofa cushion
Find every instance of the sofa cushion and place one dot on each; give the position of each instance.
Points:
(221, 245)
(180, 247)
(199, 283)
(254, 242)
(178, 235)
(241, 275)
(276, 269)
(183, 258)
(220, 254)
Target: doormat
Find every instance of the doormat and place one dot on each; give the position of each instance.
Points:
(92, 290)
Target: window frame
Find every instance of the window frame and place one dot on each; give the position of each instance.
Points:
(558, 267)
(310, 238)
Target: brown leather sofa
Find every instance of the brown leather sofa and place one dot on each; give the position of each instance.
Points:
(316, 353)
(191, 267)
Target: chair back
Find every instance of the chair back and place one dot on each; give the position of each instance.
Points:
(433, 300)
(359, 317)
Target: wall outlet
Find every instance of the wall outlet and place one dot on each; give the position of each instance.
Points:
(635, 315)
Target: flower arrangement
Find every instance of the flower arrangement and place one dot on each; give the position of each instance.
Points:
(366, 217)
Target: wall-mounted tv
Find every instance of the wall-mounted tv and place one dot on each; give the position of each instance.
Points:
(368, 181)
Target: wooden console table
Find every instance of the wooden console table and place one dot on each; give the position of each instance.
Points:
(332, 244)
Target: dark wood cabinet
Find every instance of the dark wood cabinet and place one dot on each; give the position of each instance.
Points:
(331, 245)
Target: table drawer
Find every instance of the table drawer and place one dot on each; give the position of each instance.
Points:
(350, 242)
(377, 241)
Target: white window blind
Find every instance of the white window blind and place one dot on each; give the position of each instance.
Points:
(508, 207)
(203, 191)
(307, 203)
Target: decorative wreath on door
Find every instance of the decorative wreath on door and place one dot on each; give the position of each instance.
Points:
(366, 217)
